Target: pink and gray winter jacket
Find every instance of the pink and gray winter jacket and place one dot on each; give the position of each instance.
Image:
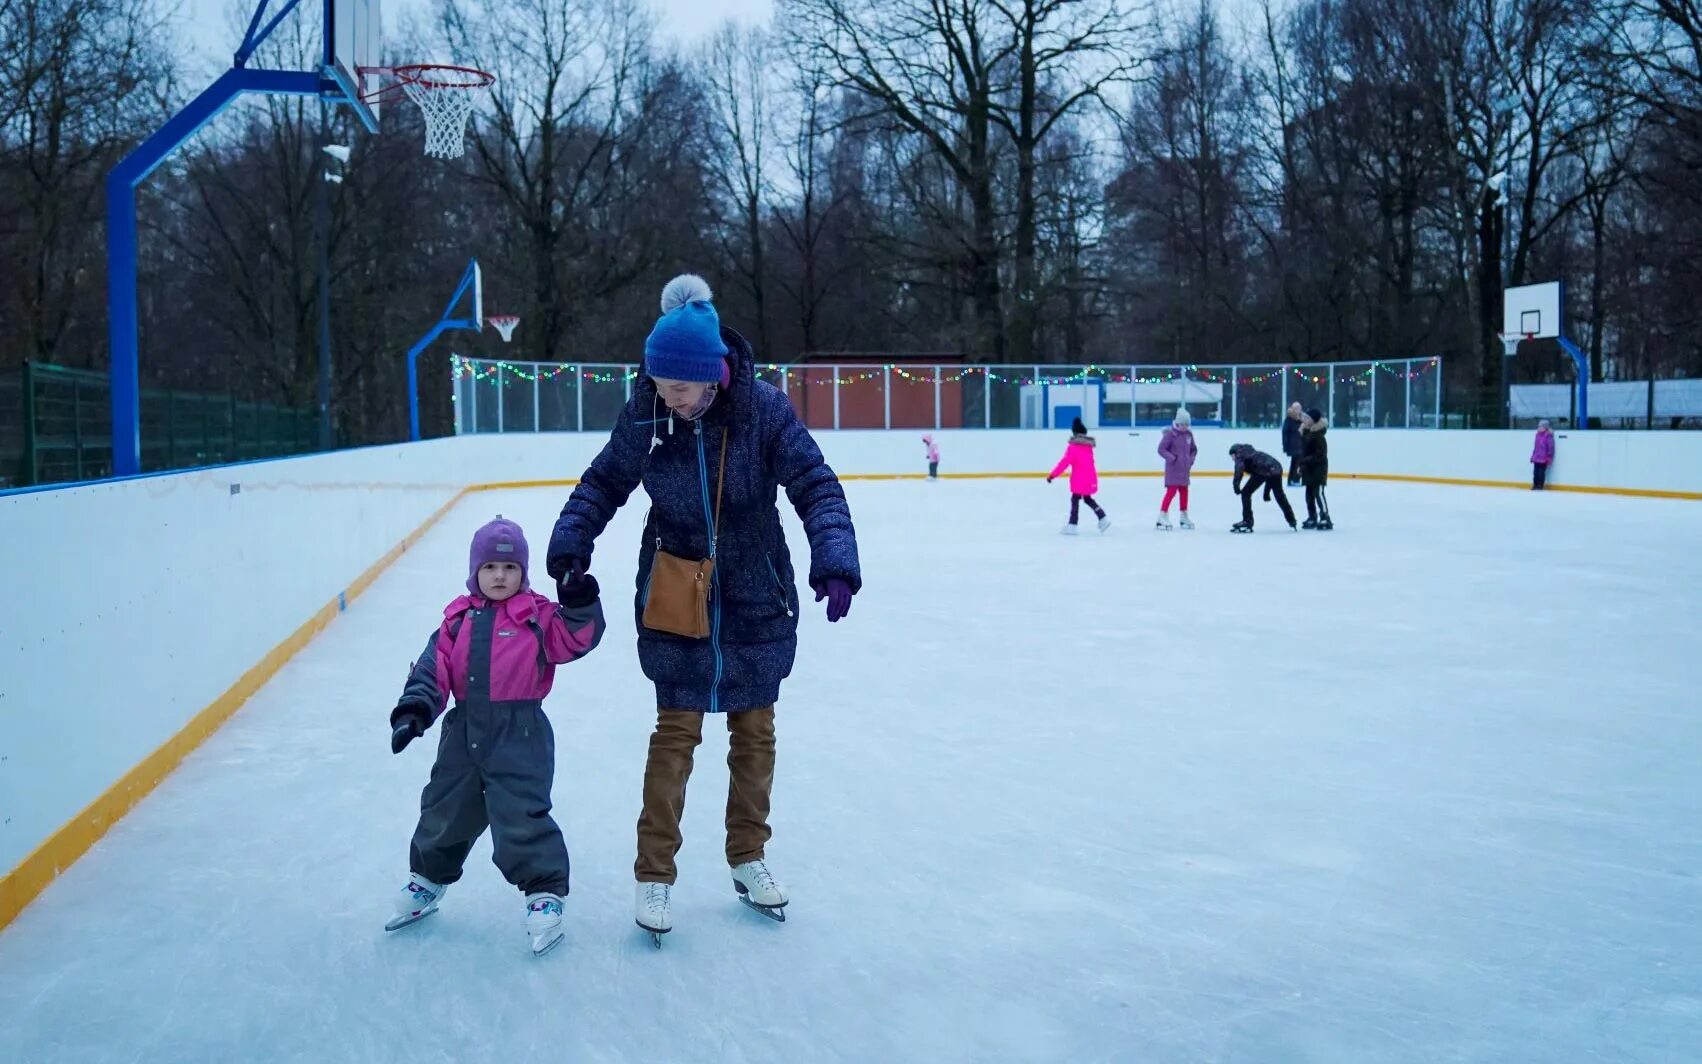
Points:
(1178, 450)
(1078, 459)
(1543, 452)
(933, 448)
(488, 652)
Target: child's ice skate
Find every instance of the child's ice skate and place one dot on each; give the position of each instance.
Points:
(653, 910)
(758, 889)
(1104, 523)
(543, 922)
(416, 900)
(1163, 524)
(1187, 525)
(1069, 530)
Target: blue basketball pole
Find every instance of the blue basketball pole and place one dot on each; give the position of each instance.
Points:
(444, 324)
(1582, 361)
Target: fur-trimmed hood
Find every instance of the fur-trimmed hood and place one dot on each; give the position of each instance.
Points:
(1085, 441)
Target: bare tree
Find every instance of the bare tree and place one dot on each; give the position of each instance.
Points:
(739, 83)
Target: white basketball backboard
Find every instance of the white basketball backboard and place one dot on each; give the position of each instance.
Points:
(354, 38)
(1532, 310)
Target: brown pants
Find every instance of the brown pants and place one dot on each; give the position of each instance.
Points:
(750, 779)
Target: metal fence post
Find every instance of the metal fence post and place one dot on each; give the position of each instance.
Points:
(1406, 406)
(1283, 411)
(1439, 380)
(579, 397)
(939, 372)
(537, 372)
(29, 471)
(1234, 396)
(1373, 395)
(986, 398)
(501, 399)
(836, 398)
(886, 390)
(1332, 372)
(77, 425)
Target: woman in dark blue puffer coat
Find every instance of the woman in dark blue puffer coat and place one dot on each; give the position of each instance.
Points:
(699, 388)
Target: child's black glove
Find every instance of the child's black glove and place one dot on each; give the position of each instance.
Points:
(407, 723)
(577, 590)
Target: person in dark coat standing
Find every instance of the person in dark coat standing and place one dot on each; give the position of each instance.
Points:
(700, 392)
(1261, 471)
(1292, 441)
(1315, 470)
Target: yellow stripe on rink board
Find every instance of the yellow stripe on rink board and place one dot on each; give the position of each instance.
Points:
(60, 850)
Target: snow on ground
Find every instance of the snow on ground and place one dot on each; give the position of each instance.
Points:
(1424, 788)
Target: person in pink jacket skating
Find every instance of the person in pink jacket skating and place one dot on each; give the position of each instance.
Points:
(1542, 456)
(495, 652)
(1178, 450)
(933, 452)
(1084, 476)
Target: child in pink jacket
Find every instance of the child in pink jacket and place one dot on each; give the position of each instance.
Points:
(1084, 476)
(1542, 456)
(495, 652)
(933, 451)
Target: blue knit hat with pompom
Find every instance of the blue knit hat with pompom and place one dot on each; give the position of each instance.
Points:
(686, 343)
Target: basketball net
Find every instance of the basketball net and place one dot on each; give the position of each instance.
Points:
(504, 324)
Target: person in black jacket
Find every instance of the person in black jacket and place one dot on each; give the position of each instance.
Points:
(1315, 471)
(1292, 442)
(1261, 470)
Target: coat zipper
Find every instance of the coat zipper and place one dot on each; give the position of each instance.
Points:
(715, 575)
(785, 600)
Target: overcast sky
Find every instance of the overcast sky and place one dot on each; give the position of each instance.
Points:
(206, 23)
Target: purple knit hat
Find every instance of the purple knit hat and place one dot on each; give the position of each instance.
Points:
(499, 541)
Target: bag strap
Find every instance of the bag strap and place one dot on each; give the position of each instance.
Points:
(720, 482)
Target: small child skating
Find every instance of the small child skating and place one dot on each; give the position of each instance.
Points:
(1542, 456)
(1261, 471)
(496, 652)
(1178, 450)
(1315, 470)
(1084, 476)
(933, 452)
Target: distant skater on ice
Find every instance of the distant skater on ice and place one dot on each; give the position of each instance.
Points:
(1315, 470)
(716, 599)
(495, 651)
(1542, 456)
(1078, 460)
(1261, 471)
(932, 451)
(1178, 449)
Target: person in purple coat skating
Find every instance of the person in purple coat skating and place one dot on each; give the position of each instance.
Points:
(1178, 450)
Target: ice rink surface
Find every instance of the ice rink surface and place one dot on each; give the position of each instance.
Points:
(1425, 788)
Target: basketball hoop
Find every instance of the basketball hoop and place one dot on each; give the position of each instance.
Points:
(505, 324)
(444, 94)
(1510, 342)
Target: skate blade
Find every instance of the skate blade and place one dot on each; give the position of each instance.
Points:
(655, 935)
(399, 922)
(543, 946)
(777, 913)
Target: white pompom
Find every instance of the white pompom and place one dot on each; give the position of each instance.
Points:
(686, 288)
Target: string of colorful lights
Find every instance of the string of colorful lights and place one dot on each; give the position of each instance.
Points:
(500, 371)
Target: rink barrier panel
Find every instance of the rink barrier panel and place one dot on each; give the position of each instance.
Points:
(61, 849)
(69, 842)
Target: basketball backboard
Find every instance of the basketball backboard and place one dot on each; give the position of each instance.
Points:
(354, 40)
(1532, 310)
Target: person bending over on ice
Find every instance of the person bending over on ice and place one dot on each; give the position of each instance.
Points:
(716, 600)
(1261, 471)
(1315, 470)
(1084, 476)
(933, 454)
(496, 651)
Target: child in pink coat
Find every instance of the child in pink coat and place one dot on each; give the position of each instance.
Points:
(496, 653)
(933, 451)
(1084, 476)
(1542, 456)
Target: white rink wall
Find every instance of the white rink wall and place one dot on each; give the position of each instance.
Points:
(138, 603)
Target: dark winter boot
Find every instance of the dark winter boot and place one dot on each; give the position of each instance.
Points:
(1241, 526)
